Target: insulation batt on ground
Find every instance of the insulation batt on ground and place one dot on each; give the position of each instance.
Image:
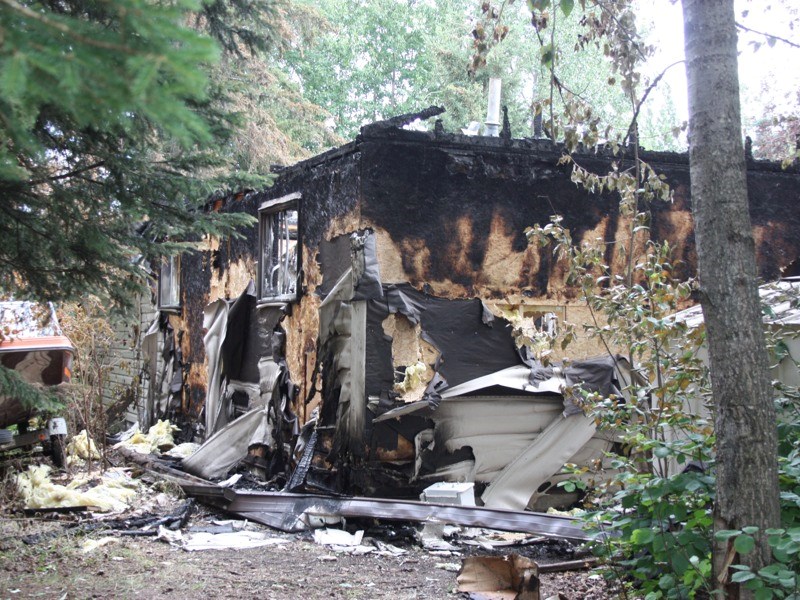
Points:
(82, 446)
(158, 438)
(113, 491)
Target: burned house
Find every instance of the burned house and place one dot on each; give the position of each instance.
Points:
(360, 337)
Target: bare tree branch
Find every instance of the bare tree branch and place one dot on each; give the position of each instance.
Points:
(769, 36)
(69, 174)
(649, 89)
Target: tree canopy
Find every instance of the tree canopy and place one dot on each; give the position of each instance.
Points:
(113, 133)
(373, 60)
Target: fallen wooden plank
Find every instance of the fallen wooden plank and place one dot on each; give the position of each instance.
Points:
(569, 565)
(57, 509)
(154, 464)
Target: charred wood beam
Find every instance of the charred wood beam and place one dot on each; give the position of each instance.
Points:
(569, 565)
(141, 526)
(400, 120)
(158, 467)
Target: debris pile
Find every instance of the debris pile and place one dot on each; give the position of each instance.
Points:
(162, 517)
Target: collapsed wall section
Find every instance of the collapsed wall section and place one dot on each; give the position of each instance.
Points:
(224, 270)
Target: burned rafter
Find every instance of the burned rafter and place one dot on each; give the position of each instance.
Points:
(401, 120)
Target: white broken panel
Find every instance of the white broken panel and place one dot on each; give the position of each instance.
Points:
(460, 494)
(513, 488)
(229, 445)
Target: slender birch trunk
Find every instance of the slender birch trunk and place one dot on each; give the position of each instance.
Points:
(747, 480)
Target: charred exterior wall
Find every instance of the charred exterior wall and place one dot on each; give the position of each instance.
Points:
(217, 269)
(329, 207)
(452, 212)
(223, 268)
(447, 214)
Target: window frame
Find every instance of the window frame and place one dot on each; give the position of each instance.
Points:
(174, 263)
(266, 215)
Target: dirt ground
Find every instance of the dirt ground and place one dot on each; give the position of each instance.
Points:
(143, 567)
(57, 556)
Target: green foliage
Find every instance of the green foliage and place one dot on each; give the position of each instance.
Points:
(117, 120)
(371, 63)
(656, 497)
(656, 513)
(664, 528)
(111, 139)
(788, 409)
(276, 123)
(373, 60)
(243, 27)
(574, 100)
(777, 580)
(107, 65)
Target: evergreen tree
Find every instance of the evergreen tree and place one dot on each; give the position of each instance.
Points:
(111, 139)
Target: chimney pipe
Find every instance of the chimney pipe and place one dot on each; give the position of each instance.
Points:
(493, 110)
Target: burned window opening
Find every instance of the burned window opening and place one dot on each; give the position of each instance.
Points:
(278, 250)
(169, 283)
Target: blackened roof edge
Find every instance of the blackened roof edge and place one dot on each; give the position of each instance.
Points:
(391, 130)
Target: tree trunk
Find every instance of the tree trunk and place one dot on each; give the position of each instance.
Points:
(746, 465)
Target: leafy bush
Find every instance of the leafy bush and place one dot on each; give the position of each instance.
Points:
(654, 506)
(777, 580)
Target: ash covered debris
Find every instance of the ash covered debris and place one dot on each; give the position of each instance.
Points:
(360, 338)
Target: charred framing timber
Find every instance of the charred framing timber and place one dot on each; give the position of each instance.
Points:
(570, 565)
(158, 466)
(147, 525)
(290, 512)
(400, 120)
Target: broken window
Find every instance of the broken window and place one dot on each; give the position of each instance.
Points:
(277, 265)
(169, 283)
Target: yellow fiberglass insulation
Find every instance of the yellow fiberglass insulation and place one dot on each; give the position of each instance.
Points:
(114, 492)
(183, 450)
(83, 446)
(158, 438)
(413, 377)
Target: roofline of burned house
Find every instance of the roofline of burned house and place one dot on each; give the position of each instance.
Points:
(392, 131)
